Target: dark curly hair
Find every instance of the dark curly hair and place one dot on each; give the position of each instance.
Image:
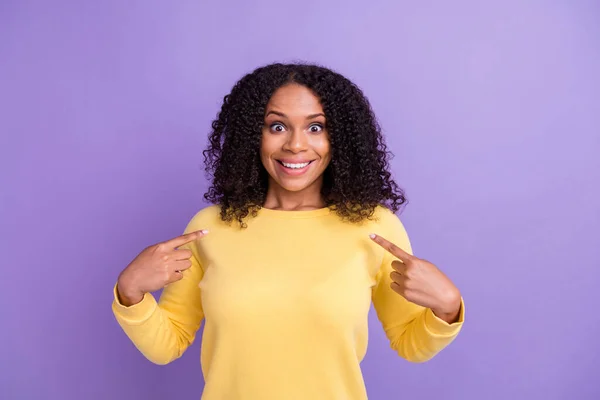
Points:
(357, 179)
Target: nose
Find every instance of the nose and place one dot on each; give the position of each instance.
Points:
(296, 142)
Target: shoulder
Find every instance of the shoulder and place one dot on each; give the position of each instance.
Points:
(383, 222)
(386, 218)
(389, 225)
(205, 218)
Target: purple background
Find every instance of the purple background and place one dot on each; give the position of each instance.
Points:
(492, 111)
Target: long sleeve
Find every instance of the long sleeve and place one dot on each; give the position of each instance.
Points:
(414, 332)
(163, 330)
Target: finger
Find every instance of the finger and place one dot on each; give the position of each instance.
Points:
(391, 247)
(181, 265)
(399, 266)
(182, 254)
(174, 277)
(397, 277)
(188, 237)
(398, 288)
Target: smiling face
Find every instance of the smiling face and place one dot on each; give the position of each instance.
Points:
(295, 147)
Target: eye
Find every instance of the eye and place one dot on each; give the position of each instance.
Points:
(277, 127)
(315, 128)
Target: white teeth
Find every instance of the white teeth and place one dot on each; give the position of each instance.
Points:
(295, 166)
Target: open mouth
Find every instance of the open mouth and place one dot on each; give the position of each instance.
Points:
(296, 166)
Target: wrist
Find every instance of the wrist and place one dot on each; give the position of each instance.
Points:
(128, 296)
(449, 310)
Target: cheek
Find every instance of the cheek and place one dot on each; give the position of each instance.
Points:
(323, 147)
(266, 147)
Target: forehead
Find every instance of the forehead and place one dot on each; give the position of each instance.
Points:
(295, 99)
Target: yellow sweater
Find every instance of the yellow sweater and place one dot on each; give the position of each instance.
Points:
(285, 304)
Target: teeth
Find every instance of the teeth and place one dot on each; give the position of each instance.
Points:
(295, 166)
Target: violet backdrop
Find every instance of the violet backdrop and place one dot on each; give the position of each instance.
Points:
(492, 112)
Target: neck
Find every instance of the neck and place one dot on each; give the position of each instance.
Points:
(279, 198)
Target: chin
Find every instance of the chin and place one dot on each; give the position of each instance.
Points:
(294, 186)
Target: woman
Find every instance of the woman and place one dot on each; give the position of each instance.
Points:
(285, 264)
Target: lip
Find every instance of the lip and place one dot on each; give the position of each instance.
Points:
(290, 161)
(293, 171)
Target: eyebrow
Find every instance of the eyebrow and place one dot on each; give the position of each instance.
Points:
(311, 116)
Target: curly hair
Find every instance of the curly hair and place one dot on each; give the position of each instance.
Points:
(355, 182)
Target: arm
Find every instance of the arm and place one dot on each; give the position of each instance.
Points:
(163, 330)
(415, 332)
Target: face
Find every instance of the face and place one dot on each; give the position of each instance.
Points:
(295, 148)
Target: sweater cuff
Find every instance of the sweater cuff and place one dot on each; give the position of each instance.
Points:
(439, 327)
(134, 314)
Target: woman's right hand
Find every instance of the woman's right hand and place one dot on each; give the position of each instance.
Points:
(155, 267)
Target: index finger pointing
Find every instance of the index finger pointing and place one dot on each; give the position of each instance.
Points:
(391, 247)
(188, 237)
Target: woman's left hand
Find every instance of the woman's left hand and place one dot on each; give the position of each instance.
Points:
(422, 283)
